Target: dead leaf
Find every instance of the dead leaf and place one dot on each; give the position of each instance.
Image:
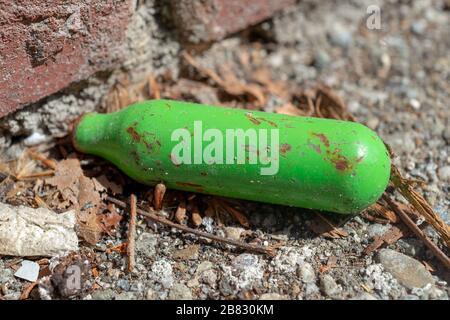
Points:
(389, 237)
(153, 88)
(384, 212)
(120, 248)
(263, 77)
(233, 86)
(236, 214)
(229, 82)
(290, 110)
(27, 290)
(329, 105)
(323, 227)
(66, 175)
(107, 184)
(331, 263)
(110, 220)
(43, 159)
(80, 193)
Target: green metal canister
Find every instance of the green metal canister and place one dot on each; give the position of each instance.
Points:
(307, 162)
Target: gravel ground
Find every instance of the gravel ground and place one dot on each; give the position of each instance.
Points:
(395, 80)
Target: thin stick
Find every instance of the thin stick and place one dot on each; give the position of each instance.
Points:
(35, 175)
(27, 290)
(156, 218)
(340, 232)
(132, 234)
(420, 204)
(419, 233)
(45, 161)
(158, 195)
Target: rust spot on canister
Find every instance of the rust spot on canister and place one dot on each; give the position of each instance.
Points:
(132, 131)
(341, 164)
(273, 124)
(315, 147)
(252, 119)
(284, 148)
(189, 184)
(323, 138)
(197, 187)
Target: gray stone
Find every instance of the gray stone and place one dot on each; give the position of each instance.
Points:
(273, 296)
(225, 287)
(411, 247)
(146, 244)
(209, 277)
(137, 286)
(208, 223)
(12, 296)
(123, 284)
(107, 294)
(444, 173)
(126, 296)
(340, 36)
(205, 265)
(246, 271)
(364, 296)
(233, 232)
(354, 106)
(161, 271)
(311, 289)
(329, 286)
(408, 271)
(307, 273)
(244, 261)
(419, 27)
(437, 294)
(377, 229)
(446, 133)
(6, 275)
(150, 294)
(321, 59)
(409, 297)
(373, 123)
(180, 292)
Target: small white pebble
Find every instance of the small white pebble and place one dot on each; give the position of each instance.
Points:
(410, 165)
(415, 104)
(34, 139)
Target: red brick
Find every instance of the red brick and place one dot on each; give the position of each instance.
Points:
(47, 44)
(203, 21)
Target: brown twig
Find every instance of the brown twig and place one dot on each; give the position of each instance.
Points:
(237, 215)
(44, 160)
(27, 290)
(132, 234)
(420, 204)
(419, 233)
(335, 232)
(158, 196)
(156, 218)
(153, 88)
(36, 175)
(205, 71)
